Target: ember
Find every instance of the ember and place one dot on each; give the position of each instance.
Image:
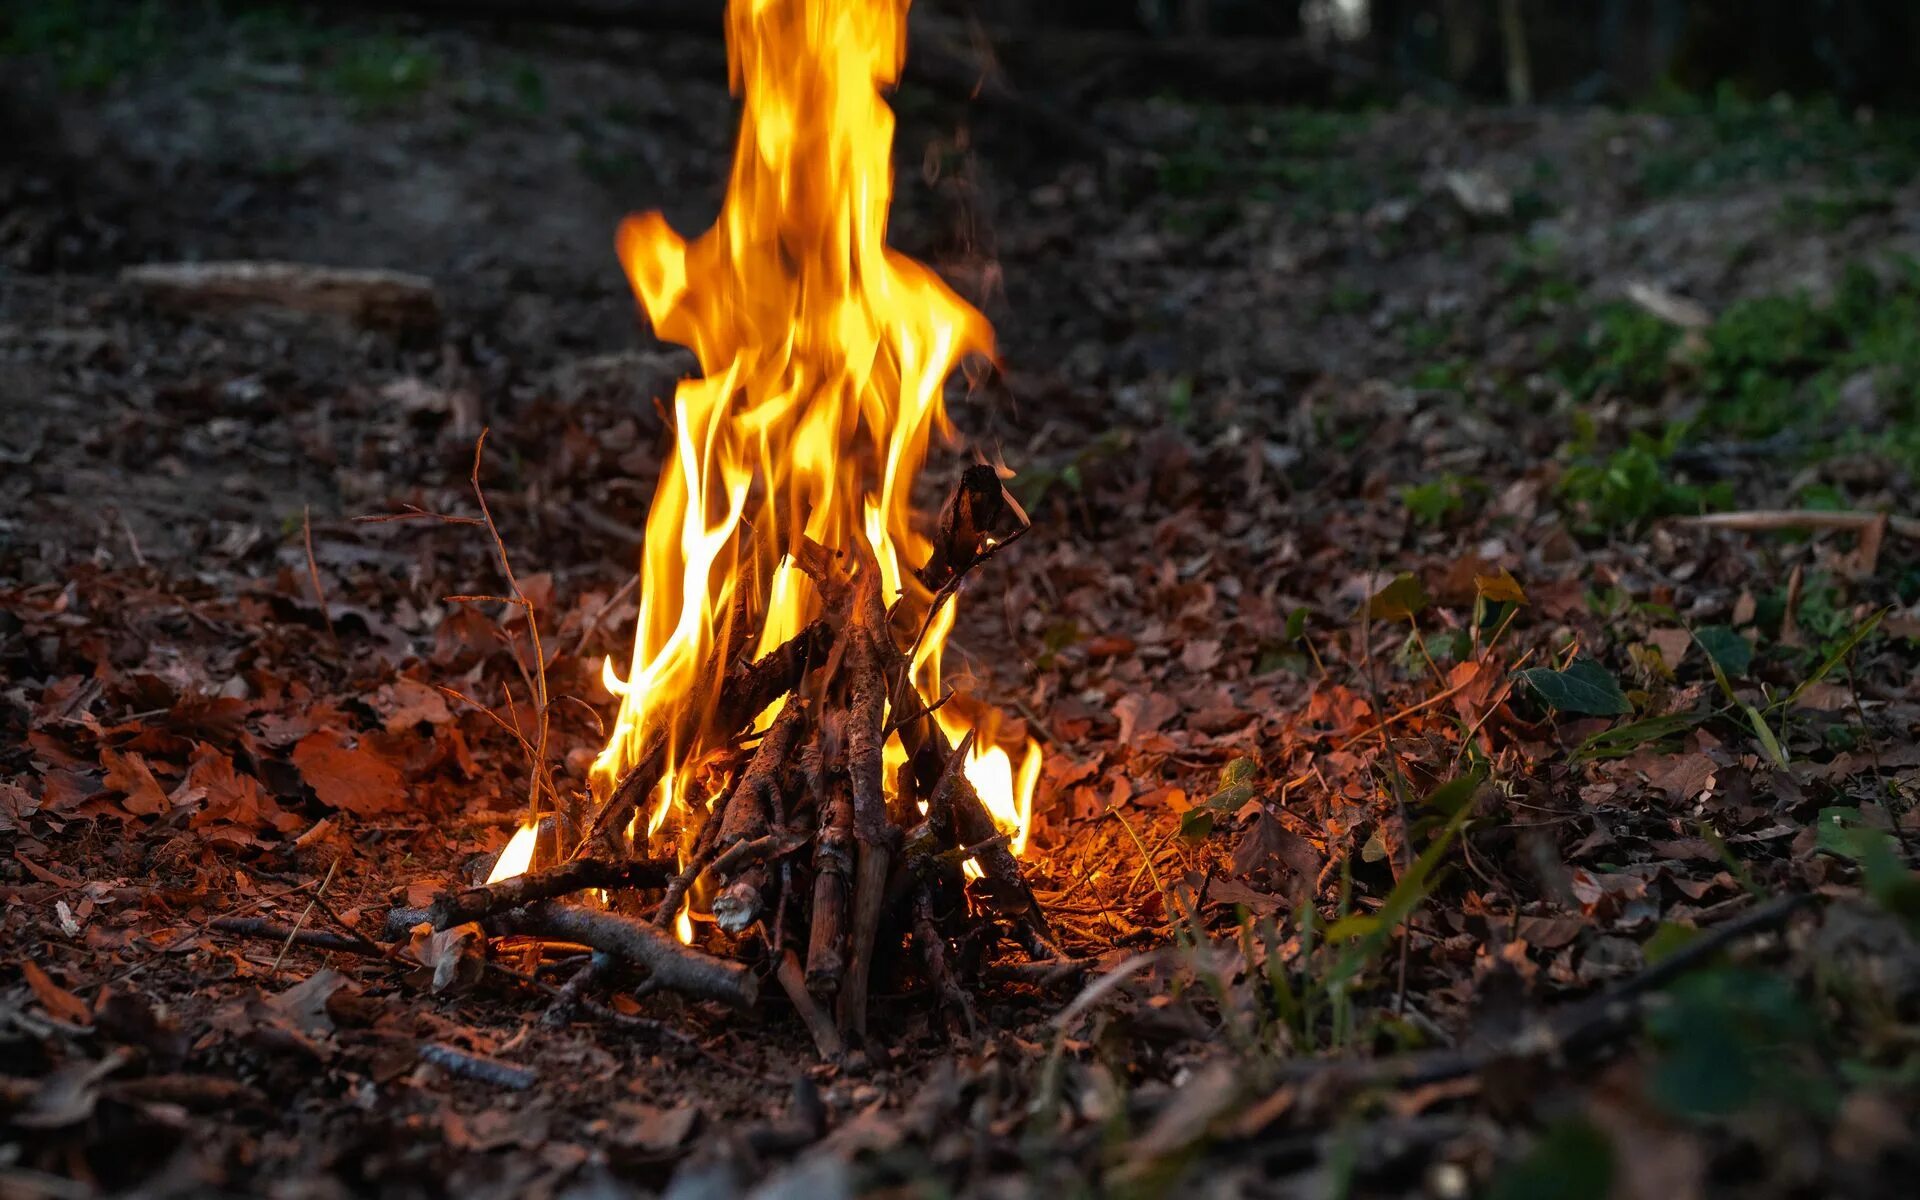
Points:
(782, 734)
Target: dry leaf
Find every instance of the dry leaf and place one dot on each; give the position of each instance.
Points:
(128, 774)
(351, 778)
(58, 1001)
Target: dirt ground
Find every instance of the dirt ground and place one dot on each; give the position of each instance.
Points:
(1436, 810)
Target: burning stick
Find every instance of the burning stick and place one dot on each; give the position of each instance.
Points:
(833, 868)
(478, 903)
(871, 830)
(755, 805)
(746, 693)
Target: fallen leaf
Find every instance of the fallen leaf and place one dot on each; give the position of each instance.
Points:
(1142, 713)
(58, 1001)
(351, 778)
(129, 775)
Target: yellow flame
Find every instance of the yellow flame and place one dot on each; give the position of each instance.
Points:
(518, 855)
(822, 353)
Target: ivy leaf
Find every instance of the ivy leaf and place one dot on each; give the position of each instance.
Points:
(1400, 600)
(1584, 688)
(1501, 588)
(1196, 825)
(1236, 786)
(1728, 650)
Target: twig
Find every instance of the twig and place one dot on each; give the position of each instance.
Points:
(533, 632)
(793, 981)
(479, 1067)
(280, 931)
(304, 914)
(478, 903)
(313, 573)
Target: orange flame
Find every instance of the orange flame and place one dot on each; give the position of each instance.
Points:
(518, 855)
(822, 353)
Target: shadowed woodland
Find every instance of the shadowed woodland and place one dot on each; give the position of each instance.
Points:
(1467, 606)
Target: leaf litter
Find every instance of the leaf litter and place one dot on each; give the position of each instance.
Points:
(1371, 813)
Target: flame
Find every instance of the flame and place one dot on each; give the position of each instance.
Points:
(822, 354)
(517, 857)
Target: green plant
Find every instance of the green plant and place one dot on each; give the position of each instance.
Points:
(1431, 503)
(91, 44)
(379, 73)
(1633, 484)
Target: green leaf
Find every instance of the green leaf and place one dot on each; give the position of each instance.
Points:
(1400, 600)
(1296, 624)
(1765, 733)
(1669, 938)
(1893, 886)
(1236, 786)
(1839, 655)
(1584, 687)
(1196, 825)
(1455, 794)
(1622, 740)
(1725, 649)
(1571, 1161)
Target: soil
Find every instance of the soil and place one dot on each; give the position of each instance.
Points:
(1238, 355)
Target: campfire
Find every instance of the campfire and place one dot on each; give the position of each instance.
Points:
(787, 788)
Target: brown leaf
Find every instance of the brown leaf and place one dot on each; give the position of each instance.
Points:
(234, 798)
(128, 774)
(1142, 713)
(1683, 776)
(1601, 895)
(405, 703)
(1268, 844)
(351, 778)
(58, 1001)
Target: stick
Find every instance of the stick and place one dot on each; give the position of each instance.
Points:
(468, 1065)
(743, 696)
(870, 826)
(670, 964)
(833, 867)
(478, 903)
(313, 939)
(1775, 520)
(933, 952)
(793, 980)
(566, 1002)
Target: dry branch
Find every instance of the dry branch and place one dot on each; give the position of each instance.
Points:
(793, 980)
(670, 964)
(1782, 520)
(480, 1067)
(871, 830)
(478, 903)
(744, 695)
(833, 873)
(312, 939)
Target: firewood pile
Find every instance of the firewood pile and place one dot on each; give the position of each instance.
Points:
(813, 865)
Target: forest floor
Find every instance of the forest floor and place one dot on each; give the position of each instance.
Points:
(1444, 814)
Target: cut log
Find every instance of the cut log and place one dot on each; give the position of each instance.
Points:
(370, 298)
